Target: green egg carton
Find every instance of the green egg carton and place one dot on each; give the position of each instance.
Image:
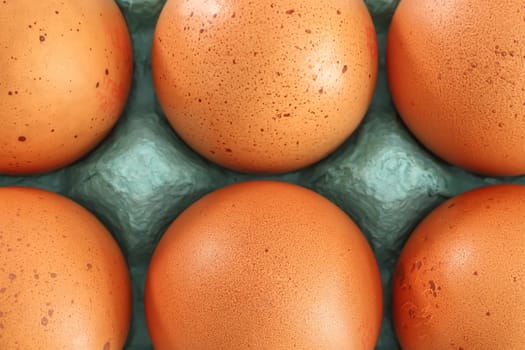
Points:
(142, 175)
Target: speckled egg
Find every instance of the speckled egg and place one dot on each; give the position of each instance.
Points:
(65, 77)
(264, 86)
(460, 279)
(263, 265)
(64, 283)
(456, 71)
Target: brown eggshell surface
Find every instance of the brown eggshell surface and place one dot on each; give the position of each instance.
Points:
(456, 73)
(263, 265)
(65, 77)
(64, 283)
(264, 86)
(460, 279)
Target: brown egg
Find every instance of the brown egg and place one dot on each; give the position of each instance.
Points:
(264, 86)
(263, 265)
(64, 283)
(65, 77)
(456, 73)
(460, 279)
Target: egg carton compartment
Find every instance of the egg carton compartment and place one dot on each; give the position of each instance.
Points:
(142, 175)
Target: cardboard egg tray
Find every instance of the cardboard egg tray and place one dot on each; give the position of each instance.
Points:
(142, 175)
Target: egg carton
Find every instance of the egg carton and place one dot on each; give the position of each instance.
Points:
(142, 175)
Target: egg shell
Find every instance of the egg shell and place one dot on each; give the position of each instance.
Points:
(456, 71)
(263, 265)
(64, 283)
(460, 279)
(265, 86)
(65, 77)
